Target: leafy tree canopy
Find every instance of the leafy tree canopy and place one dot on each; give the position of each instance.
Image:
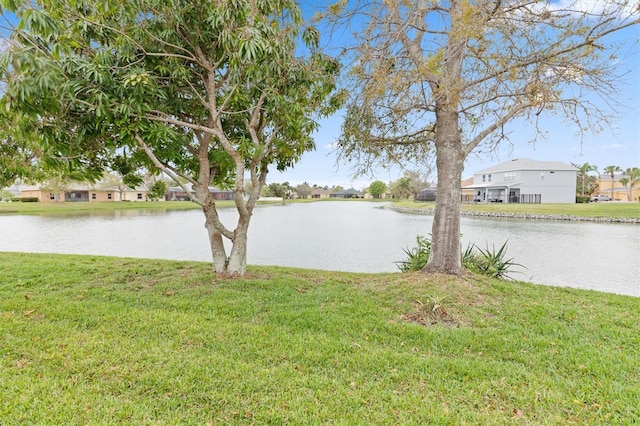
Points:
(203, 90)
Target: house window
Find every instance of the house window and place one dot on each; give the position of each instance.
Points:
(139, 196)
(51, 196)
(93, 196)
(489, 178)
(484, 178)
(108, 196)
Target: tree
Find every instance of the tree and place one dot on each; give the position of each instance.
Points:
(205, 91)
(446, 78)
(303, 190)
(377, 188)
(630, 180)
(611, 171)
(280, 190)
(416, 182)
(157, 190)
(401, 188)
(583, 174)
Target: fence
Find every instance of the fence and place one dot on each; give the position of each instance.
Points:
(530, 198)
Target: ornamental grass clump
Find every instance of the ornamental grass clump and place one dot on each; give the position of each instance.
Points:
(417, 257)
(489, 262)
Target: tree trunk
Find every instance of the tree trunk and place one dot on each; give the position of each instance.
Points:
(612, 182)
(218, 252)
(237, 265)
(445, 233)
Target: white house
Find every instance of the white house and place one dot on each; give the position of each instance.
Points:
(525, 181)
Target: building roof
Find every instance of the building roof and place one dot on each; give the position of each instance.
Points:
(350, 191)
(492, 185)
(321, 191)
(528, 164)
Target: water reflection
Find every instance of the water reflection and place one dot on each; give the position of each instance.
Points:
(341, 236)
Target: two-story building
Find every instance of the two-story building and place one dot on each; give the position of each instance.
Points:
(522, 180)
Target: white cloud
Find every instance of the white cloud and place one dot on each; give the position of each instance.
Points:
(612, 146)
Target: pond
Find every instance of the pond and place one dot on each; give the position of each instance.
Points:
(341, 236)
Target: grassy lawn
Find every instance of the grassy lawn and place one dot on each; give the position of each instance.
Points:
(603, 209)
(37, 208)
(96, 340)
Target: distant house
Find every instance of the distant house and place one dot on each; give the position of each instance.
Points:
(320, 193)
(80, 193)
(177, 193)
(71, 194)
(620, 192)
(525, 181)
(136, 194)
(428, 194)
(346, 193)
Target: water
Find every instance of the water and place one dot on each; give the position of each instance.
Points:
(341, 236)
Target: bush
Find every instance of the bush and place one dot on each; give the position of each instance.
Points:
(489, 262)
(583, 199)
(27, 199)
(486, 262)
(417, 257)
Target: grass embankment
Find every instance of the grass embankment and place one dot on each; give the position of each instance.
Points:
(96, 206)
(598, 210)
(93, 340)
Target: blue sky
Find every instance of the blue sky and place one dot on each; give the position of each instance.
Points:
(617, 144)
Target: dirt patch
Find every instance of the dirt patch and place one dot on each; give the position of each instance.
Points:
(430, 314)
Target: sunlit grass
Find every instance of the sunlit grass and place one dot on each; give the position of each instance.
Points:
(96, 340)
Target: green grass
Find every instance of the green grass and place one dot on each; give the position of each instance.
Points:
(603, 209)
(53, 208)
(614, 209)
(96, 340)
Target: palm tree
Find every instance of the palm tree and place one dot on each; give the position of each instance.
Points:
(611, 170)
(583, 170)
(630, 180)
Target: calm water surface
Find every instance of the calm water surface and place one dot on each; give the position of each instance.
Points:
(341, 236)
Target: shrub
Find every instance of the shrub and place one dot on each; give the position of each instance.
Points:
(417, 257)
(27, 199)
(583, 199)
(489, 262)
(486, 262)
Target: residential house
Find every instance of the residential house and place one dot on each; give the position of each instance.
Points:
(71, 194)
(468, 194)
(346, 193)
(428, 194)
(134, 195)
(42, 194)
(81, 193)
(523, 180)
(320, 193)
(605, 184)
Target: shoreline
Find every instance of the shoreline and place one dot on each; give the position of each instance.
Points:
(532, 216)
